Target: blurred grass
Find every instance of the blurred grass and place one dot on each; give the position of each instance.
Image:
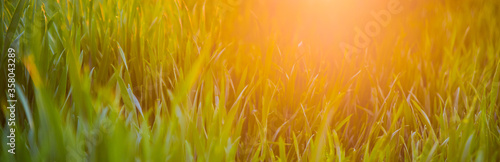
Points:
(115, 80)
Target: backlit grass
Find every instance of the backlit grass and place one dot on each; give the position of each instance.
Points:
(229, 80)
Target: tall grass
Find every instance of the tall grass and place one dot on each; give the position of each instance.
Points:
(117, 80)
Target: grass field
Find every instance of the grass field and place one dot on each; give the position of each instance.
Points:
(234, 80)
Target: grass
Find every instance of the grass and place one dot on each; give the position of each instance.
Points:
(116, 80)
